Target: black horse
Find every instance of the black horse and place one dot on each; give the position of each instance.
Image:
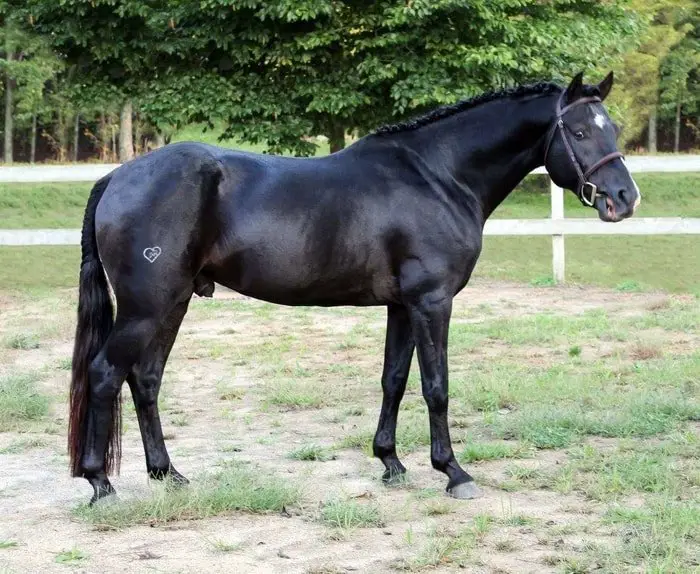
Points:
(396, 219)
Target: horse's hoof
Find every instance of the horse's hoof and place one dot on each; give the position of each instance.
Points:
(177, 479)
(465, 491)
(104, 498)
(395, 476)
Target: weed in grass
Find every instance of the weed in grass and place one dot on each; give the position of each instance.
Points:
(296, 395)
(505, 546)
(543, 428)
(23, 444)
(602, 475)
(543, 281)
(65, 364)
(222, 546)
(235, 488)
(180, 420)
(20, 401)
(438, 507)
(71, 556)
(477, 451)
(312, 452)
(348, 514)
(629, 286)
(574, 566)
(482, 525)
(228, 393)
(575, 351)
(357, 411)
(442, 548)
(22, 342)
(8, 544)
(645, 351)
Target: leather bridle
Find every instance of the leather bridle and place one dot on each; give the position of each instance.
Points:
(584, 186)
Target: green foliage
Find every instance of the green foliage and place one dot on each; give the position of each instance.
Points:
(362, 64)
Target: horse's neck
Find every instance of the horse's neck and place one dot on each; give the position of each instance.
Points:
(490, 148)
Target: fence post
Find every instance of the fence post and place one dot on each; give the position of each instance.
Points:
(558, 257)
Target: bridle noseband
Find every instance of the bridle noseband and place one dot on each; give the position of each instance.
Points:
(583, 184)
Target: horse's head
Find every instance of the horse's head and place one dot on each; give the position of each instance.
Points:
(581, 152)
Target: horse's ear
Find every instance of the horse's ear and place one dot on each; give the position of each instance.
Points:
(575, 89)
(605, 86)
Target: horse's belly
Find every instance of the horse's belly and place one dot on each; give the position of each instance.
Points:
(294, 281)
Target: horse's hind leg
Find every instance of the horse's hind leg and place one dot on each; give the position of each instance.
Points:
(128, 339)
(398, 351)
(144, 381)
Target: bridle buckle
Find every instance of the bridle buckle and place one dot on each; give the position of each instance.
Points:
(590, 200)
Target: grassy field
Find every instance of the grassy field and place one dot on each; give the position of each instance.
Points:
(578, 417)
(626, 262)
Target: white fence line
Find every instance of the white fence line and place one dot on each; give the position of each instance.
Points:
(557, 226)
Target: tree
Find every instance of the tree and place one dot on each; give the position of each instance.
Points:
(678, 69)
(636, 99)
(327, 67)
(278, 70)
(27, 64)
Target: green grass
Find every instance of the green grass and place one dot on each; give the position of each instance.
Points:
(348, 514)
(22, 342)
(312, 452)
(296, 395)
(21, 402)
(8, 544)
(478, 451)
(664, 535)
(235, 488)
(23, 444)
(606, 475)
(71, 556)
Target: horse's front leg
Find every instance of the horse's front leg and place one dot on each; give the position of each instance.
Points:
(430, 321)
(398, 351)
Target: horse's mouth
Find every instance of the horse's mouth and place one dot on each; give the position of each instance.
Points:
(610, 205)
(607, 209)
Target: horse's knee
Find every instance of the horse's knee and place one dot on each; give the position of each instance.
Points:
(145, 388)
(436, 398)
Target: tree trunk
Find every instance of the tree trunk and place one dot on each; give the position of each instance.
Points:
(652, 130)
(61, 136)
(76, 136)
(113, 154)
(8, 104)
(32, 148)
(677, 131)
(126, 136)
(336, 137)
(102, 135)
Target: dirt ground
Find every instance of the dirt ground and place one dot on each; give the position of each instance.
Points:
(37, 497)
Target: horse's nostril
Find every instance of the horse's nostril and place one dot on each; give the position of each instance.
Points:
(621, 194)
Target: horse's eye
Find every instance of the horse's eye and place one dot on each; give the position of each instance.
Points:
(578, 135)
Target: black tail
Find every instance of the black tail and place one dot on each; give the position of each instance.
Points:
(95, 320)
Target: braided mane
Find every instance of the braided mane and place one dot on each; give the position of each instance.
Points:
(452, 109)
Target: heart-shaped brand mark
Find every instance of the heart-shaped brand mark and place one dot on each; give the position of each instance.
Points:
(151, 253)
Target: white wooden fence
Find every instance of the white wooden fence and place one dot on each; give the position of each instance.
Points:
(557, 226)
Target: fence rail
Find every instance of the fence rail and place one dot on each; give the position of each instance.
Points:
(557, 226)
